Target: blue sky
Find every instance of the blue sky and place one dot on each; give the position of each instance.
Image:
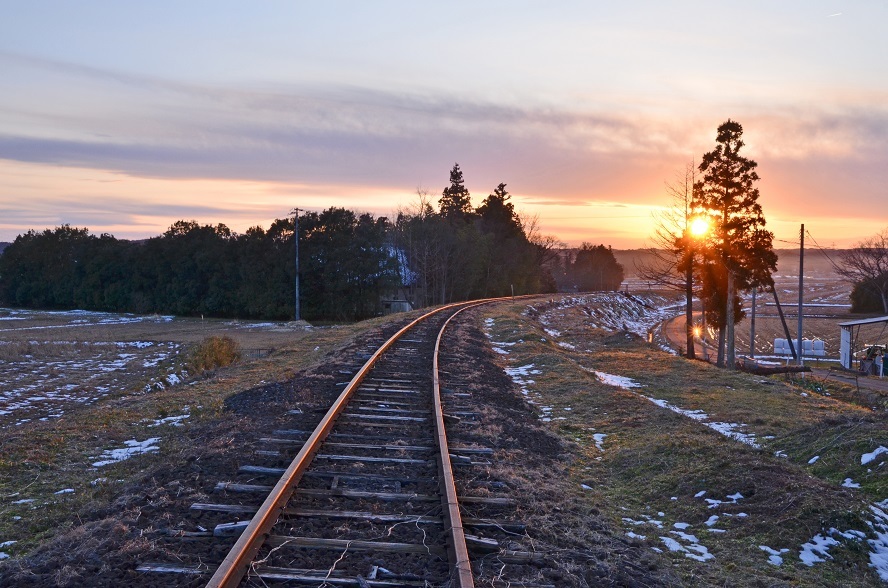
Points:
(125, 117)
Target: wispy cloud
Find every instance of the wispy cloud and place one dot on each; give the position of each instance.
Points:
(340, 135)
(543, 201)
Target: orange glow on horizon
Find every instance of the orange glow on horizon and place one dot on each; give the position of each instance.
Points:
(40, 196)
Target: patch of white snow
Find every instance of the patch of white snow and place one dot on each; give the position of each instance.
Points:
(618, 381)
(599, 440)
(131, 448)
(774, 555)
(868, 457)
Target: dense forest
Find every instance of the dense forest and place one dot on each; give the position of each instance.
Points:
(349, 263)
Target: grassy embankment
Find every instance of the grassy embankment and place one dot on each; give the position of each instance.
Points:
(654, 469)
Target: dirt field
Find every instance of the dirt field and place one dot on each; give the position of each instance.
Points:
(92, 406)
(51, 362)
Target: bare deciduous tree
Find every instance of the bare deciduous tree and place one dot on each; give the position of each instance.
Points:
(547, 246)
(672, 253)
(866, 266)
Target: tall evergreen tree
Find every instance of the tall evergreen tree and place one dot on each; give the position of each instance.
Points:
(497, 215)
(455, 203)
(729, 195)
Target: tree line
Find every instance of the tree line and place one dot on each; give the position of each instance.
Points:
(348, 263)
(194, 269)
(591, 267)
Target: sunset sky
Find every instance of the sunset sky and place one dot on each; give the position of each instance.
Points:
(125, 117)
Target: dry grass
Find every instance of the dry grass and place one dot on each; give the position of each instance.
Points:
(214, 352)
(49, 350)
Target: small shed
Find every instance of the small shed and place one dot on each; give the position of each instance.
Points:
(848, 340)
(393, 306)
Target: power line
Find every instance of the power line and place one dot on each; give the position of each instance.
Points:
(822, 250)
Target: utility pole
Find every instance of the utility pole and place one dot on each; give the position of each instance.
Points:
(801, 290)
(295, 212)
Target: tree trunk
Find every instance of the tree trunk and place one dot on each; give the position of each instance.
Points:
(729, 323)
(720, 362)
(752, 325)
(689, 312)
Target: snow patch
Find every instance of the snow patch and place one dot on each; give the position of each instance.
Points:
(879, 545)
(175, 421)
(869, 457)
(599, 440)
(618, 381)
(774, 556)
(815, 550)
(729, 430)
(692, 549)
(130, 449)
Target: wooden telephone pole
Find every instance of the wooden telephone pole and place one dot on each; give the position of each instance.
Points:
(295, 212)
(801, 290)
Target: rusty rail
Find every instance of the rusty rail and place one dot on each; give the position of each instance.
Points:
(235, 565)
(457, 551)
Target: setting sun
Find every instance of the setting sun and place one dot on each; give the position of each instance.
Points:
(699, 226)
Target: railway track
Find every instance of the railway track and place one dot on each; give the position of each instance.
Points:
(368, 497)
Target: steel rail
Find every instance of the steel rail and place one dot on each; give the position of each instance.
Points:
(235, 565)
(457, 551)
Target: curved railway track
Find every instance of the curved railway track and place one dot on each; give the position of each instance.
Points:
(370, 488)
